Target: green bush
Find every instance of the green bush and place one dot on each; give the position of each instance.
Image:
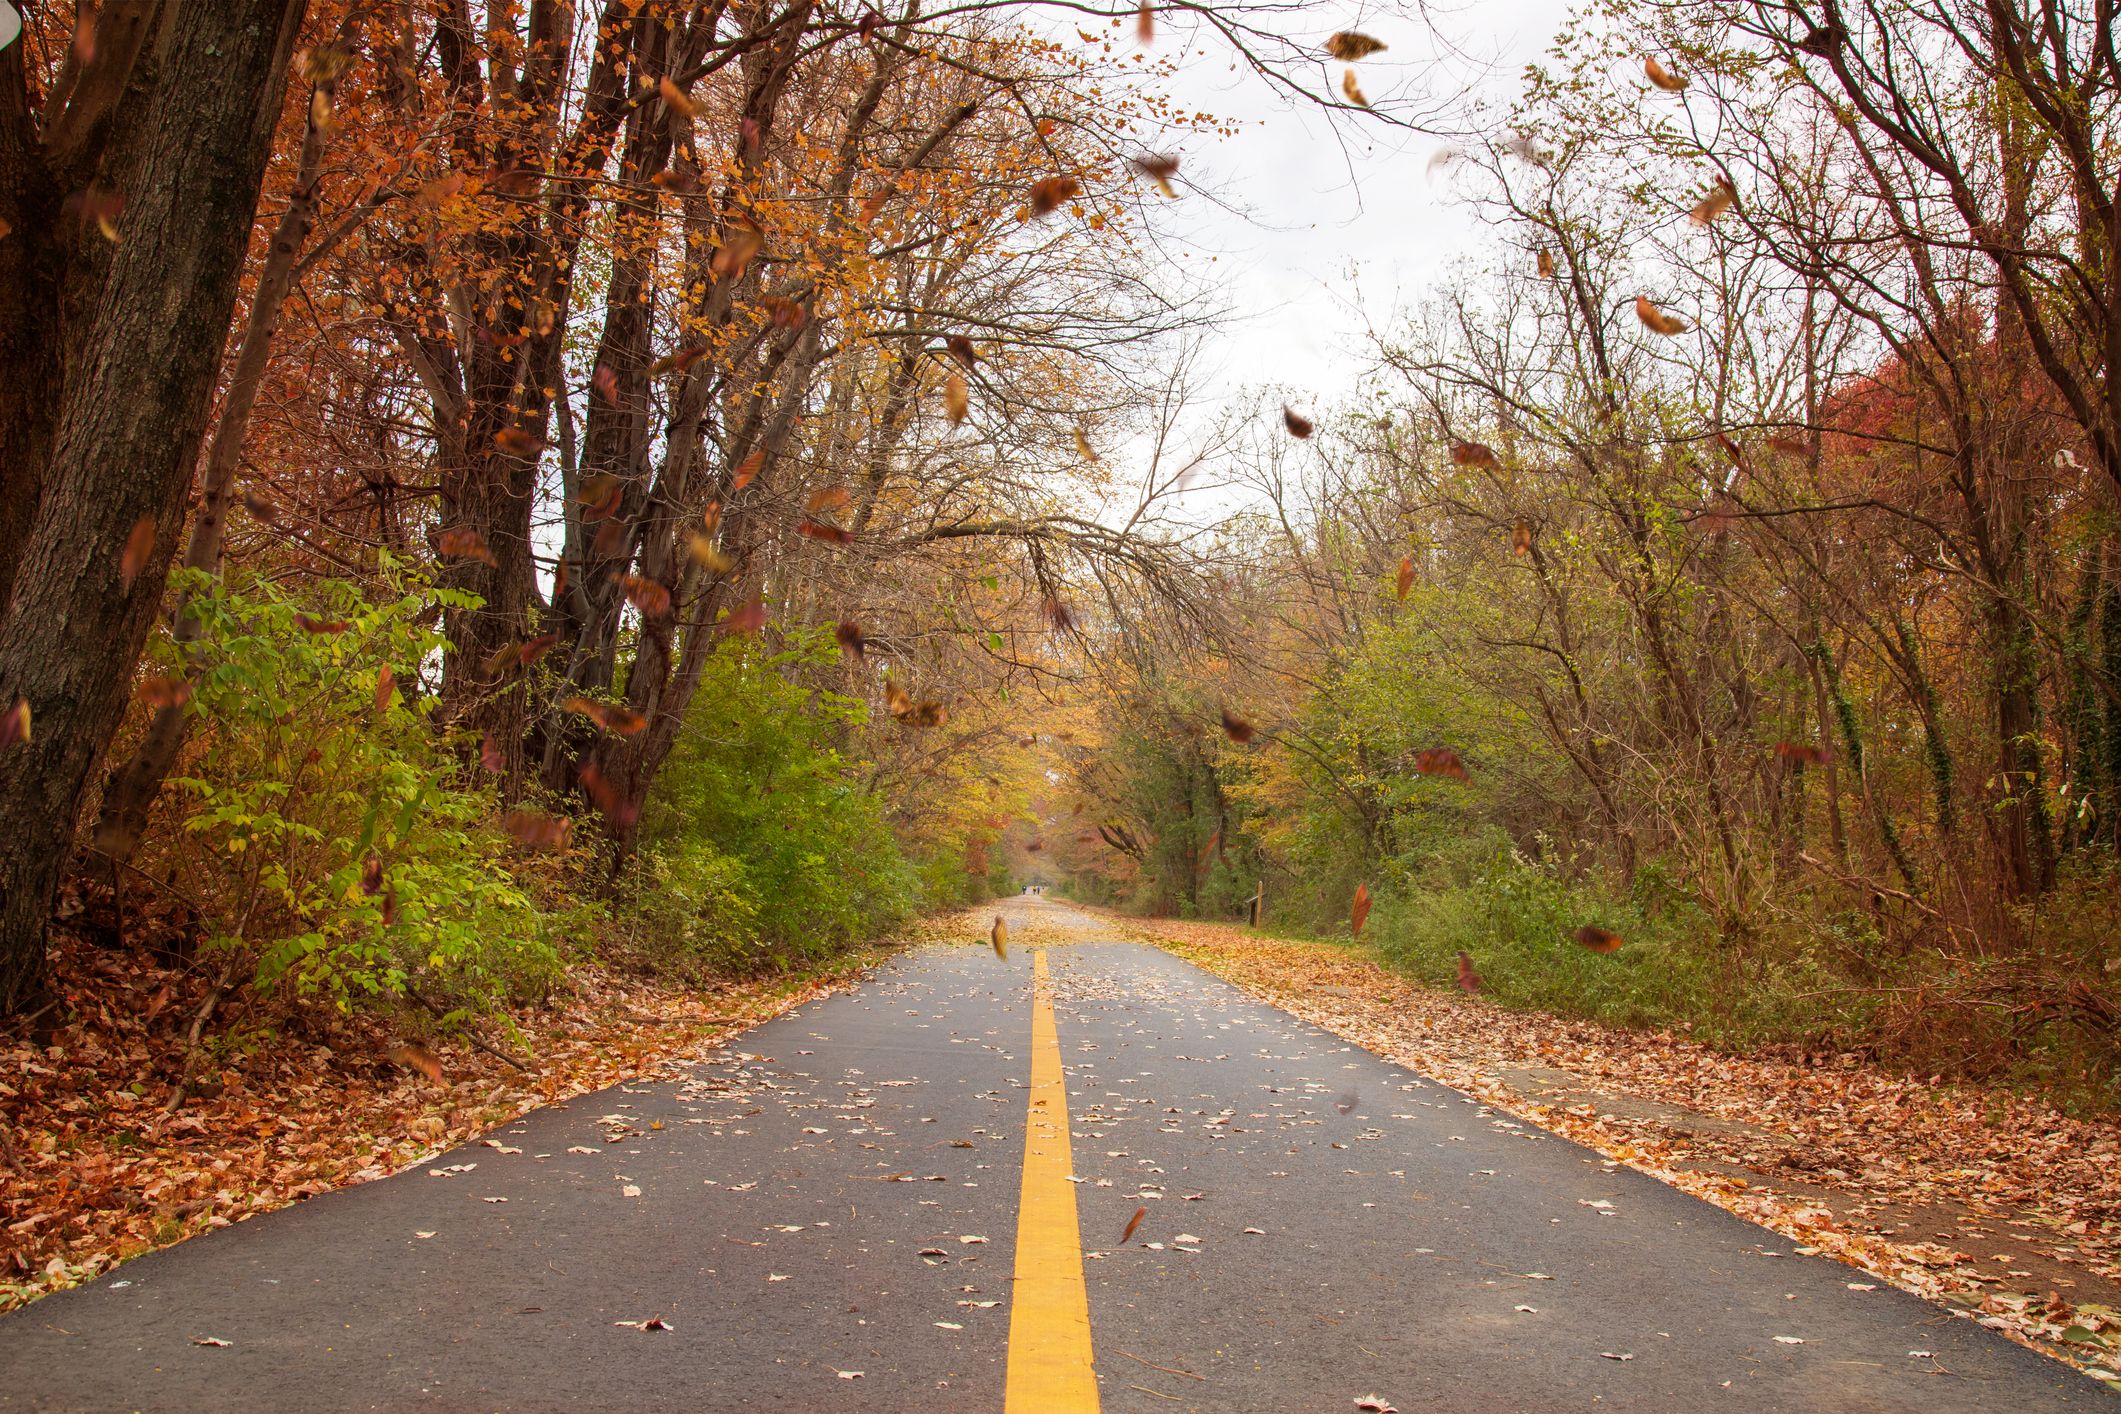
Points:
(1516, 920)
(780, 855)
(299, 779)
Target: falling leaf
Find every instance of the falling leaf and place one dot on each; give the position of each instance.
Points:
(1353, 89)
(1299, 427)
(784, 312)
(165, 691)
(747, 617)
(1802, 753)
(533, 830)
(1468, 979)
(372, 875)
(999, 936)
(1057, 613)
(1599, 940)
(825, 534)
(611, 717)
(957, 397)
(464, 543)
(386, 684)
(1350, 45)
(1159, 169)
(1133, 1223)
(962, 349)
(1405, 581)
(740, 245)
(606, 384)
(518, 442)
(1546, 264)
(1360, 913)
(414, 1056)
(1661, 76)
(851, 639)
(826, 498)
(1790, 446)
(1521, 538)
(1237, 728)
(1440, 761)
(677, 362)
(1656, 320)
(612, 805)
(1083, 448)
(651, 598)
(1474, 454)
(1719, 200)
(707, 553)
(314, 625)
(1145, 23)
(138, 546)
(747, 470)
(675, 98)
(491, 757)
(1051, 193)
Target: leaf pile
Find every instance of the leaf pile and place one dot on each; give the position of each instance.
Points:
(1866, 1147)
(94, 1172)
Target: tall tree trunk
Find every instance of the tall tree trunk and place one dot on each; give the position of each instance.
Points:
(142, 325)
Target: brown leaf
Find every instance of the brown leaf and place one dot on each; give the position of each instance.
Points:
(612, 805)
(675, 98)
(1299, 427)
(1237, 728)
(1521, 538)
(372, 875)
(999, 936)
(518, 442)
(605, 383)
(623, 721)
(747, 470)
(14, 727)
(1057, 613)
(740, 245)
(1719, 200)
(1133, 1223)
(386, 684)
(957, 397)
(536, 831)
(1599, 940)
(166, 691)
(1656, 320)
(310, 625)
(464, 543)
(490, 756)
(1661, 76)
(1159, 169)
(1440, 761)
(747, 617)
(851, 639)
(1145, 23)
(962, 349)
(1474, 454)
(708, 554)
(1546, 264)
(1350, 45)
(1802, 753)
(1359, 914)
(414, 1056)
(1052, 193)
(784, 312)
(138, 546)
(826, 498)
(1406, 576)
(1353, 89)
(825, 534)
(651, 598)
(1468, 979)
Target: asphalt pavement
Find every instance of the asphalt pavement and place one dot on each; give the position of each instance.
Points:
(871, 1203)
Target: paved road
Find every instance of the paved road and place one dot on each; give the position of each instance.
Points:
(848, 1189)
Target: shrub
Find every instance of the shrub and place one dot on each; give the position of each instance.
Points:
(305, 776)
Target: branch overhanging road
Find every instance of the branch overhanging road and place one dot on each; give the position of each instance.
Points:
(911, 1196)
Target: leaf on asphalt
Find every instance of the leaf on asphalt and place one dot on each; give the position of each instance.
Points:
(210, 1340)
(653, 1323)
(1609, 1355)
(1375, 1404)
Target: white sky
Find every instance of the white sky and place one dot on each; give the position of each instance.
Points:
(1321, 217)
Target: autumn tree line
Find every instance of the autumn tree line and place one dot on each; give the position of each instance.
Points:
(472, 459)
(1726, 561)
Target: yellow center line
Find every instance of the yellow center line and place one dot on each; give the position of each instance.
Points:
(1050, 1365)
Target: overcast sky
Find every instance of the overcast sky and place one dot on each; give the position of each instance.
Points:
(1323, 216)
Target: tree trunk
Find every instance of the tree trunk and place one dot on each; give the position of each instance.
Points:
(142, 323)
